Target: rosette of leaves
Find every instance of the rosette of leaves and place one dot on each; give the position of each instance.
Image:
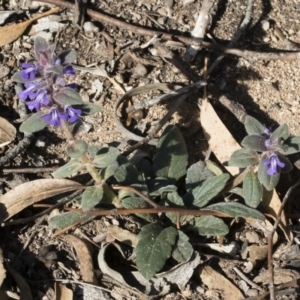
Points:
(267, 151)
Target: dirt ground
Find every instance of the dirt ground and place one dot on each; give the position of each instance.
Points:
(267, 90)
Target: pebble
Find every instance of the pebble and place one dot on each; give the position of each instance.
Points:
(140, 71)
(90, 27)
(265, 25)
(252, 293)
(169, 3)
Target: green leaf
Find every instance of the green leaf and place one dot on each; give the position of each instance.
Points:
(34, 123)
(91, 197)
(67, 57)
(254, 142)
(105, 173)
(171, 158)
(174, 200)
(18, 78)
(268, 181)
(40, 45)
(213, 167)
(68, 96)
(243, 158)
(293, 145)
(89, 108)
(183, 249)
(208, 189)
(210, 225)
(197, 173)
(66, 219)
(235, 209)
(76, 149)
(253, 127)
(69, 169)
(137, 202)
(105, 157)
(252, 190)
(154, 248)
(288, 167)
(238, 191)
(282, 132)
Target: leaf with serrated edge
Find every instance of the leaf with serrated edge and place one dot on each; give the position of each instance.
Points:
(210, 225)
(171, 158)
(34, 123)
(235, 209)
(183, 249)
(209, 189)
(253, 126)
(69, 169)
(154, 248)
(252, 190)
(254, 142)
(31, 192)
(243, 158)
(91, 197)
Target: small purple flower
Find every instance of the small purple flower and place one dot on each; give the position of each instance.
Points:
(40, 99)
(30, 90)
(69, 70)
(72, 113)
(273, 163)
(29, 71)
(55, 117)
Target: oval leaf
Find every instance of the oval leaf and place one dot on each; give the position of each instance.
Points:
(293, 145)
(183, 249)
(208, 189)
(252, 190)
(171, 158)
(66, 219)
(235, 209)
(68, 96)
(243, 158)
(210, 225)
(253, 127)
(76, 149)
(282, 132)
(105, 157)
(91, 197)
(69, 169)
(31, 192)
(254, 142)
(34, 123)
(88, 108)
(154, 248)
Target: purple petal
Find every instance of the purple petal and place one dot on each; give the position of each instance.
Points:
(55, 117)
(69, 70)
(72, 113)
(273, 163)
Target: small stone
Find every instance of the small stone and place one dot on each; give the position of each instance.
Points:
(140, 71)
(90, 27)
(169, 3)
(265, 25)
(252, 293)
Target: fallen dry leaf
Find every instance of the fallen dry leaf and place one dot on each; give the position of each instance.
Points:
(10, 33)
(31, 192)
(83, 250)
(25, 293)
(281, 276)
(7, 132)
(215, 281)
(223, 145)
(62, 292)
(123, 235)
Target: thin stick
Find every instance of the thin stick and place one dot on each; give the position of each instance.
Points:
(250, 55)
(244, 277)
(29, 170)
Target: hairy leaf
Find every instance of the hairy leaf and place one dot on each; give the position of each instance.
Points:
(89, 108)
(210, 225)
(282, 132)
(253, 127)
(67, 57)
(66, 219)
(77, 148)
(206, 191)
(91, 197)
(174, 200)
(68, 96)
(69, 169)
(254, 142)
(213, 167)
(183, 249)
(235, 209)
(154, 248)
(171, 158)
(293, 145)
(105, 157)
(243, 158)
(252, 190)
(34, 123)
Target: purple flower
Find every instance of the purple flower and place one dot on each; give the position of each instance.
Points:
(273, 163)
(40, 99)
(29, 71)
(69, 70)
(30, 90)
(55, 117)
(72, 113)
